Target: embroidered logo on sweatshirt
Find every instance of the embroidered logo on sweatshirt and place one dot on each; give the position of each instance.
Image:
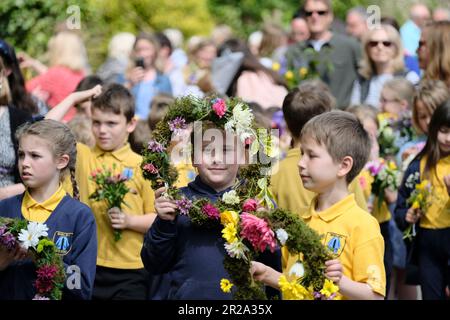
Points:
(63, 242)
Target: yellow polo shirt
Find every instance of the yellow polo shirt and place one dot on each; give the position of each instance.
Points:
(354, 236)
(438, 213)
(125, 253)
(40, 212)
(287, 187)
(382, 214)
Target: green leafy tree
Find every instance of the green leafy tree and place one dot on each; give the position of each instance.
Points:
(28, 24)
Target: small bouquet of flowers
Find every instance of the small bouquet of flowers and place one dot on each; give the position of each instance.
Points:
(112, 188)
(32, 236)
(386, 176)
(393, 132)
(305, 68)
(419, 199)
(293, 77)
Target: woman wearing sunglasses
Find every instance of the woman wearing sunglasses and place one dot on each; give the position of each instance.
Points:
(382, 60)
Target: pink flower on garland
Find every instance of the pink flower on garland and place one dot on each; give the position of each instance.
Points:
(257, 231)
(45, 276)
(211, 211)
(150, 168)
(250, 205)
(219, 107)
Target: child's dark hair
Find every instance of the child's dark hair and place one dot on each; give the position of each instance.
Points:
(440, 118)
(117, 99)
(88, 83)
(61, 141)
(304, 103)
(342, 134)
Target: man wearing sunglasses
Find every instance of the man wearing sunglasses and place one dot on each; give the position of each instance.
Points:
(338, 51)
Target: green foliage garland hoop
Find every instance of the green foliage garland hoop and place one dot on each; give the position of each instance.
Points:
(250, 222)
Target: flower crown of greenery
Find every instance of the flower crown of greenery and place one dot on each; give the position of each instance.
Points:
(32, 236)
(246, 214)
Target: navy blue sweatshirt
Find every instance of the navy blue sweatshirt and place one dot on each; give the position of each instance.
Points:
(72, 227)
(190, 257)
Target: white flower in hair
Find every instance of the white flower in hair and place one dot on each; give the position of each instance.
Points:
(241, 121)
(30, 237)
(230, 197)
(236, 250)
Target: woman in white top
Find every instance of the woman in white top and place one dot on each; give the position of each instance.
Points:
(382, 60)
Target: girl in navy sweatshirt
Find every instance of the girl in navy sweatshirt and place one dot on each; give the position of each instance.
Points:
(47, 152)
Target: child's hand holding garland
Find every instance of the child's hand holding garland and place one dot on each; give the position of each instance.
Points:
(165, 207)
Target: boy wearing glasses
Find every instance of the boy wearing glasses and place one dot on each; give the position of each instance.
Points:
(337, 55)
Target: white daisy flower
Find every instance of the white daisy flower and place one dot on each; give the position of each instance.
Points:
(30, 237)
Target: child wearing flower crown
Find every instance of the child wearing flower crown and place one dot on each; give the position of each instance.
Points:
(327, 166)
(47, 152)
(120, 273)
(190, 258)
(430, 248)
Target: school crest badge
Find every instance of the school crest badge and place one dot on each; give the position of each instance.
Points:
(63, 242)
(335, 242)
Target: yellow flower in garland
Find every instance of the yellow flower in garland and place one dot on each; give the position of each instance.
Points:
(289, 75)
(329, 288)
(415, 205)
(225, 285)
(227, 217)
(229, 233)
(293, 290)
(303, 72)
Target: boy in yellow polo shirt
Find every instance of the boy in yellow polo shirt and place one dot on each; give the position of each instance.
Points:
(335, 147)
(120, 272)
(300, 105)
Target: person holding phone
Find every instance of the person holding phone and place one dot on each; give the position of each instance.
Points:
(144, 80)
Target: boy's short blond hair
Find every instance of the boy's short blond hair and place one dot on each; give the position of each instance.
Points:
(342, 134)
